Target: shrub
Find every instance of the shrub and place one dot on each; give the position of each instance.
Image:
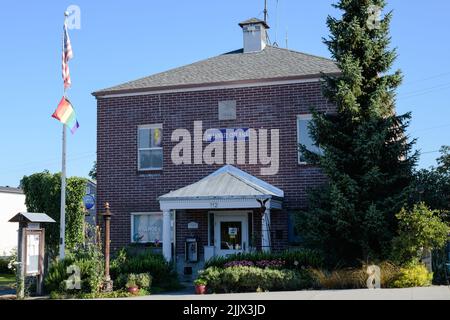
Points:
(354, 278)
(162, 272)
(200, 282)
(7, 264)
(131, 281)
(420, 230)
(4, 267)
(12, 261)
(144, 280)
(413, 275)
(89, 260)
(290, 259)
(98, 295)
(340, 279)
(389, 273)
(253, 279)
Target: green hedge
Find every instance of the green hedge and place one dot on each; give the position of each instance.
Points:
(253, 279)
(294, 259)
(162, 272)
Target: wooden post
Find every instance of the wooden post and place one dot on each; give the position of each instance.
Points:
(40, 277)
(20, 271)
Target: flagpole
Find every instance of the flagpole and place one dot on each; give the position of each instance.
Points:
(62, 242)
(62, 231)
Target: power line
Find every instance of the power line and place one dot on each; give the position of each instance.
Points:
(429, 152)
(428, 78)
(27, 164)
(421, 92)
(49, 163)
(432, 128)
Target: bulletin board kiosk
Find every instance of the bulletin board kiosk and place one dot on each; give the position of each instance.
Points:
(30, 249)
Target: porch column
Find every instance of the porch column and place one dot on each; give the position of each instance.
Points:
(265, 228)
(167, 245)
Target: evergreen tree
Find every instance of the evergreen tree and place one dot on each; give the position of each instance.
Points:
(366, 154)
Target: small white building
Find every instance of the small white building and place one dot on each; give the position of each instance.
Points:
(12, 201)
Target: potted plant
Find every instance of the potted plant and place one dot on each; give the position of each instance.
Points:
(131, 284)
(200, 286)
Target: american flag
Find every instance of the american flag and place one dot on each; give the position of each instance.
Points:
(66, 56)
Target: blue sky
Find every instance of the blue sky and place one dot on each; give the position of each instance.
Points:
(125, 40)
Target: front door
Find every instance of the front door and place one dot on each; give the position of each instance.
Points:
(230, 233)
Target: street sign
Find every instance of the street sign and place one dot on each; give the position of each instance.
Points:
(89, 201)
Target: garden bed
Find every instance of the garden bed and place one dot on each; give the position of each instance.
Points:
(302, 270)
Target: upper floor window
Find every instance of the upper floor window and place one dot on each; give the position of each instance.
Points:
(150, 151)
(304, 137)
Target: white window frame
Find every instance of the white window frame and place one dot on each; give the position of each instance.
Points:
(133, 214)
(148, 126)
(300, 117)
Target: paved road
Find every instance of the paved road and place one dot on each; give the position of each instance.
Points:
(431, 293)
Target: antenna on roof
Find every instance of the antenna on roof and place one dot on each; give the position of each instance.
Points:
(287, 38)
(265, 11)
(275, 44)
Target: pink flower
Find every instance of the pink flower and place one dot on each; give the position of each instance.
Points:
(243, 263)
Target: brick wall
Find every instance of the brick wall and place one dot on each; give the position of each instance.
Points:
(269, 107)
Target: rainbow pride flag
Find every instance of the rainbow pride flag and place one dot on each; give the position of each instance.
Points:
(66, 115)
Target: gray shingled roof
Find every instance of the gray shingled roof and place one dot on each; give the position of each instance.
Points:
(270, 64)
(227, 182)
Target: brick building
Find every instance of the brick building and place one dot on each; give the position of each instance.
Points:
(181, 156)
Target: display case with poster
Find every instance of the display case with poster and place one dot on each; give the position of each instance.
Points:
(34, 251)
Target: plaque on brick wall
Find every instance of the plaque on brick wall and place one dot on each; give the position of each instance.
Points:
(227, 110)
(192, 225)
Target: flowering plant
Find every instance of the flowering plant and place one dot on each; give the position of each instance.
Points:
(270, 263)
(263, 264)
(243, 263)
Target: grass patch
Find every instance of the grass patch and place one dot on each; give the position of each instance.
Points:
(7, 281)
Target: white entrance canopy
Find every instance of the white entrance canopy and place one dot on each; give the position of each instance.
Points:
(227, 188)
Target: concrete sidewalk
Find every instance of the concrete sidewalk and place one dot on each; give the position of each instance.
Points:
(430, 293)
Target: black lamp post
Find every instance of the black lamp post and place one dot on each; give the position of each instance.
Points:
(268, 228)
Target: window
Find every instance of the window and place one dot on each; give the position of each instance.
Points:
(304, 137)
(147, 227)
(150, 151)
